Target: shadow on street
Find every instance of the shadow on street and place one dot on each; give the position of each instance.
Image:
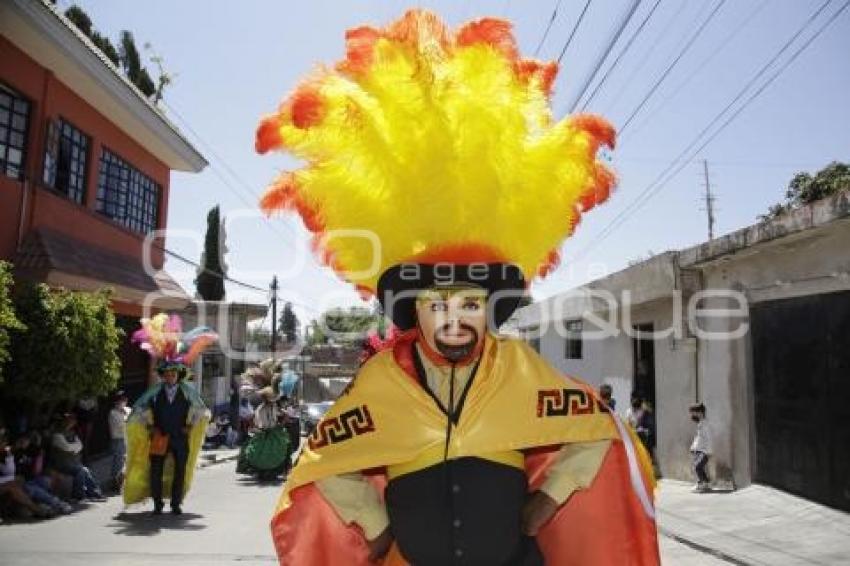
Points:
(147, 524)
(252, 481)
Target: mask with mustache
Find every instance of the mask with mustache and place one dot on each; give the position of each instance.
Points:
(452, 322)
(453, 352)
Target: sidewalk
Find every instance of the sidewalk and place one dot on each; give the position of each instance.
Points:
(753, 526)
(100, 466)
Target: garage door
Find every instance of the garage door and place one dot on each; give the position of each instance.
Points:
(801, 357)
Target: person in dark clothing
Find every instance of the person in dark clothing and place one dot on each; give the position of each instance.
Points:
(170, 409)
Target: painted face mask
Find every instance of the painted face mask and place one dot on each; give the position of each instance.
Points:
(452, 321)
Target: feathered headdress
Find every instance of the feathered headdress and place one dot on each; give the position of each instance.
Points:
(162, 337)
(442, 144)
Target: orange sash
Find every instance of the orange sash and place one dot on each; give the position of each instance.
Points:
(159, 444)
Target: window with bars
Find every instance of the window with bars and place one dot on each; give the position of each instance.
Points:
(572, 344)
(65, 158)
(126, 195)
(14, 119)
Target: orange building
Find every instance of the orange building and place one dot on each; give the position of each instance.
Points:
(85, 161)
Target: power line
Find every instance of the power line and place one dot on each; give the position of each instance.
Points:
(548, 27)
(624, 21)
(647, 56)
(208, 147)
(702, 65)
(573, 32)
(188, 261)
(249, 286)
(616, 62)
(235, 176)
(672, 65)
(660, 181)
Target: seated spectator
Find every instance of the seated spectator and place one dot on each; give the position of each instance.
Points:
(29, 464)
(65, 451)
(216, 433)
(12, 488)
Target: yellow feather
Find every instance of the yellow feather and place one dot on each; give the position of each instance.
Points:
(431, 145)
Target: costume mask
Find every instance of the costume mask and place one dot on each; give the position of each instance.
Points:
(452, 321)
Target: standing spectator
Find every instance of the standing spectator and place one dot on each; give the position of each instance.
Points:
(700, 448)
(292, 422)
(635, 411)
(605, 393)
(66, 448)
(641, 418)
(117, 437)
(86, 410)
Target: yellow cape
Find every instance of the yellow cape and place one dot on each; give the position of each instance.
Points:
(516, 401)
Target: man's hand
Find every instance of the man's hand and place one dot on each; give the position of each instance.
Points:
(380, 545)
(537, 512)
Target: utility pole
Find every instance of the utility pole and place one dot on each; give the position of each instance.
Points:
(274, 314)
(709, 201)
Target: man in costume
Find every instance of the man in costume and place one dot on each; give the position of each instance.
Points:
(166, 428)
(438, 180)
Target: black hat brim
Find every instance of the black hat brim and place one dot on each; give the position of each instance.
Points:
(399, 286)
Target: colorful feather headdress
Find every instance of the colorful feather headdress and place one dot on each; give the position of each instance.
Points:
(442, 144)
(162, 337)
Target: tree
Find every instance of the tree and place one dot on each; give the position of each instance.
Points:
(289, 324)
(349, 326)
(130, 60)
(80, 19)
(211, 274)
(315, 334)
(8, 321)
(127, 57)
(102, 42)
(805, 188)
(69, 348)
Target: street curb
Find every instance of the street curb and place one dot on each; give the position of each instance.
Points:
(206, 461)
(719, 554)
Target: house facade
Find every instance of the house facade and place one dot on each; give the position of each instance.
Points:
(754, 324)
(85, 162)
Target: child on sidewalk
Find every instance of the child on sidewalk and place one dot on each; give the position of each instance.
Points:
(700, 448)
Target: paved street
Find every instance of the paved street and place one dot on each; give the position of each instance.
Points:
(226, 521)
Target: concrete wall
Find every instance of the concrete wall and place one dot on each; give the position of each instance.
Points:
(812, 262)
(805, 253)
(610, 360)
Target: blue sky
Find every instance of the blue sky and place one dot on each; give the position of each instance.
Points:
(234, 64)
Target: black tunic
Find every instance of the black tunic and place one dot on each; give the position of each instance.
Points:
(464, 511)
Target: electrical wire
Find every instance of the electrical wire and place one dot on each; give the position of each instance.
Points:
(624, 21)
(666, 176)
(701, 65)
(616, 62)
(548, 28)
(573, 32)
(672, 65)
